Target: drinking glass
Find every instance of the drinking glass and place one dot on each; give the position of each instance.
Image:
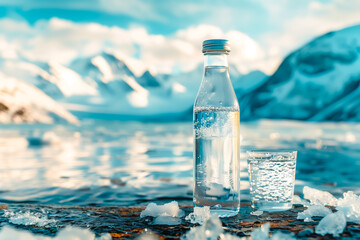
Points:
(272, 179)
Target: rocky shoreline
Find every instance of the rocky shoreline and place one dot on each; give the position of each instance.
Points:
(125, 222)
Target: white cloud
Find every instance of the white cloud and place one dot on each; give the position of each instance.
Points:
(277, 27)
(7, 49)
(62, 41)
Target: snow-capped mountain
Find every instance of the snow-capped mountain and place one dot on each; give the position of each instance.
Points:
(124, 95)
(106, 73)
(103, 86)
(22, 102)
(242, 83)
(319, 81)
(53, 79)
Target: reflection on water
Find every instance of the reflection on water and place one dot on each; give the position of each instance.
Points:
(117, 163)
(100, 163)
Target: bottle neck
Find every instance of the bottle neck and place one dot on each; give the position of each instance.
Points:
(216, 59)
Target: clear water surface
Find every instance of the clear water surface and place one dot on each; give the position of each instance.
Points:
(129, 163)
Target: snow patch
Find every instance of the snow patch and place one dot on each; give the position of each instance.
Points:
(104, 68)
(21, 102)
(70, 82)
(139, 99)
(177, 87)
(28, 218)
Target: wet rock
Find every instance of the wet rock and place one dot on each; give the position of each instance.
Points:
(3, 107)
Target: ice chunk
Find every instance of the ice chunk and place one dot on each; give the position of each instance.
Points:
(350, 206)
(333, 223)
(166, 214)
(300, 201)
(283, 236)
(210, 230)
(104, 236)
(314, 210)
(166, 220)
(67, 233)
(200, 215)
(8, 232)
(148, 235)
(261, 233)
(28, 218)
(74, 233)
(228, 236)
(319, 197)
(257, 213)
(169, 209)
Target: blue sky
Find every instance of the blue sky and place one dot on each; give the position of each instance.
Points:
(272, 29)
(163, 17)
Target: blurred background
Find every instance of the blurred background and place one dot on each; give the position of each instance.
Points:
(96, 96)
(142, 60)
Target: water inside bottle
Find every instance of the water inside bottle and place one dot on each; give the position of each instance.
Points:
(216, 131)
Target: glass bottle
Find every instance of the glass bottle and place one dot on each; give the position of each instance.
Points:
(216, 135)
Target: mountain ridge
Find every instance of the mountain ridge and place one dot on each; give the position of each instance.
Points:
(310, 80)
(319, 81)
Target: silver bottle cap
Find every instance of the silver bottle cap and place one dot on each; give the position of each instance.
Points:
(216, 45)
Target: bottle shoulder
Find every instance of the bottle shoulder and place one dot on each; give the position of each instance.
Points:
(216, 90)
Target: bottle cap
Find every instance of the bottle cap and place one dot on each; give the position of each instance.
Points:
(216, 45)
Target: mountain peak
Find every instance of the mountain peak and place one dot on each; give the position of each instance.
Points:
(148, 80)
(21, 102)
(312, 78)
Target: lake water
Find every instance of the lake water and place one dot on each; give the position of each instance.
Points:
(128, 163)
